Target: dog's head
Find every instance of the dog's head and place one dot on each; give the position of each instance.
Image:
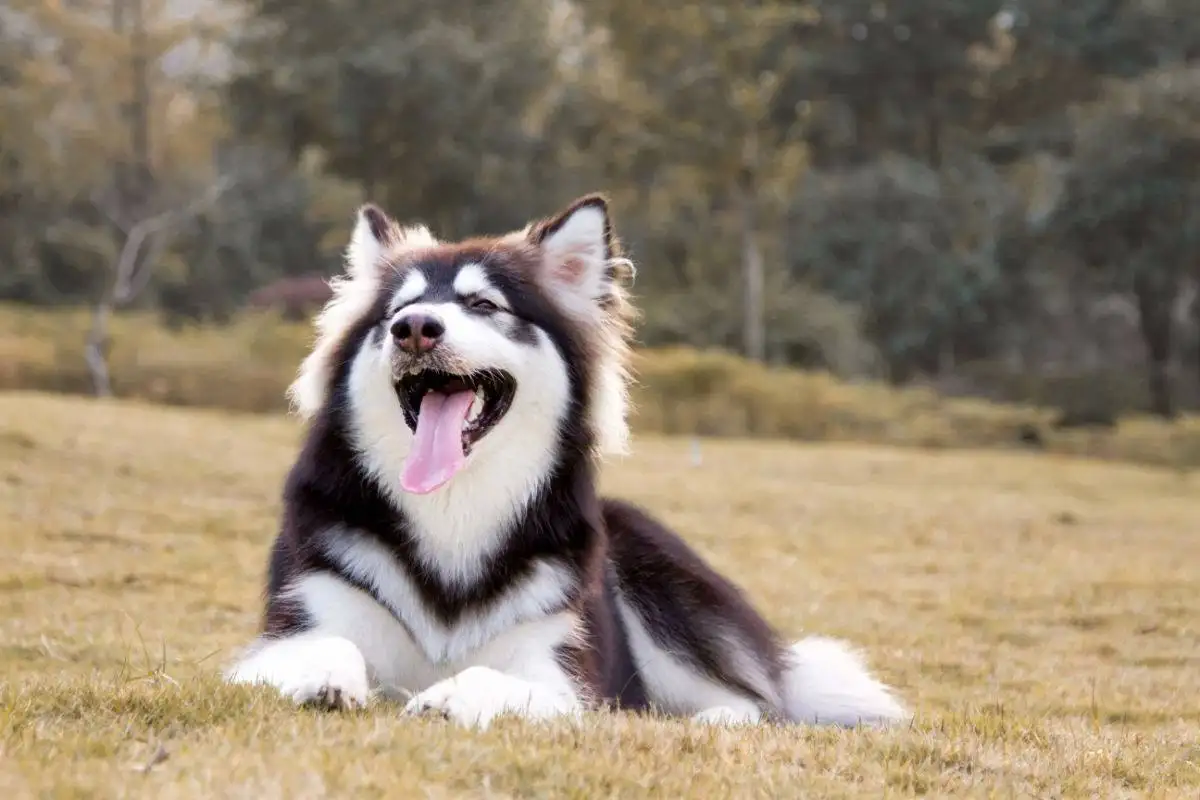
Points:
(461, 349)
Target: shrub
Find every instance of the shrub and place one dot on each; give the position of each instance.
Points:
(246, 366)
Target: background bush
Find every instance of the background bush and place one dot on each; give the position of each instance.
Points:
(247, 364)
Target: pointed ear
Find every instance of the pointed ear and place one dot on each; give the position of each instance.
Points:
(577, 247)
(374, 230)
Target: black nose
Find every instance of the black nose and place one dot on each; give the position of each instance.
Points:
(418, 333)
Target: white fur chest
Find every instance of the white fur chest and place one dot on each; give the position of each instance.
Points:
(463, 524)
(542, 592)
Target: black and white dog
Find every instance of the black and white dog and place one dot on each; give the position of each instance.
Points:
(442, 538)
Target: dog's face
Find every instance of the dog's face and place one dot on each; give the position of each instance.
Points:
(483, 348)
(469, 348)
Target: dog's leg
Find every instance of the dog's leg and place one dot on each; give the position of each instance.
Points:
(701, 650)
(678, 685)
(348, 643)
(311, 668)
(704, 651)
(518, 673)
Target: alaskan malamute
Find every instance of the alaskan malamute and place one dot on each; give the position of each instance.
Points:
(442, 538)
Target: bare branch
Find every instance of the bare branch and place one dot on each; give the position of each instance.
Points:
(105, 201)
(127, 263)
(137, 282)
(131, 278)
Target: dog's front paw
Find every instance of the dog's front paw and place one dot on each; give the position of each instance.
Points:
(477, 695)
(326, 672)
(726, 716)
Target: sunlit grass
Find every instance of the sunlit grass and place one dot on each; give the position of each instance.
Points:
(1039, 614)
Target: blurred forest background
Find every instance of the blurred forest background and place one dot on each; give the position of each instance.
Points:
(996, 199)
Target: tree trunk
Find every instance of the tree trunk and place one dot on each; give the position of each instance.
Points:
(933, 138)
(131, 273)
(120, 171)
(933, 124)
(1196, 328)
(96, 350)
(1154, 312)
(139, 109)
(947, 361)
(1161, 401)
(753, 322)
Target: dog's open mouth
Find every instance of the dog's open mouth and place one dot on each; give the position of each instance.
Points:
(448, 414)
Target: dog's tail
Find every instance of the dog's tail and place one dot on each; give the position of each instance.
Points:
(826, 682)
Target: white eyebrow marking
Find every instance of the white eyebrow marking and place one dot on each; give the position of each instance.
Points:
(413, 286)
(471, 279)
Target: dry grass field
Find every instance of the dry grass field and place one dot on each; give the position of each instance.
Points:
(1041, 614)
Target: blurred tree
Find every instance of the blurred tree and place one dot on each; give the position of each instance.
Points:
(1064, 53)
(20, 265)
(1132, 206)
(1118, 38)
(440, 110)
(698, 106)
(906, 77)
(278, 219)
(108, 137)
(102, 107)
(914, 246)
(900, 247)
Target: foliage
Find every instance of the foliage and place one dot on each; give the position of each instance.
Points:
(472, 90)
(1131, 198)
(907, 189)
(902, 77)
(926, 276)
(99, 135)
(1132, 204)
(270, 224)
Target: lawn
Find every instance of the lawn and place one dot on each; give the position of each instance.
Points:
(1041, 615)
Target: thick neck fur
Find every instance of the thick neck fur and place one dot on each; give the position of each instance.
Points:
(459, 555)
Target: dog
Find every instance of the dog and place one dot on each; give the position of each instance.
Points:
(442, 539)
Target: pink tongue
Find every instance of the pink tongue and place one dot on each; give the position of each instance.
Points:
(437, 451)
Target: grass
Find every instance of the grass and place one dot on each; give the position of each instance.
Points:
(1038, 612)
(246, 365)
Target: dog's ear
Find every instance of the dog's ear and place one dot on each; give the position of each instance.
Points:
(373, 232)
(579, 261)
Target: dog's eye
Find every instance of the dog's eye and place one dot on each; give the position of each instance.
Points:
(485, 305)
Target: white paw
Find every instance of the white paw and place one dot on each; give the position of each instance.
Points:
(326, 671)
(725, 715)
(477, 695)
